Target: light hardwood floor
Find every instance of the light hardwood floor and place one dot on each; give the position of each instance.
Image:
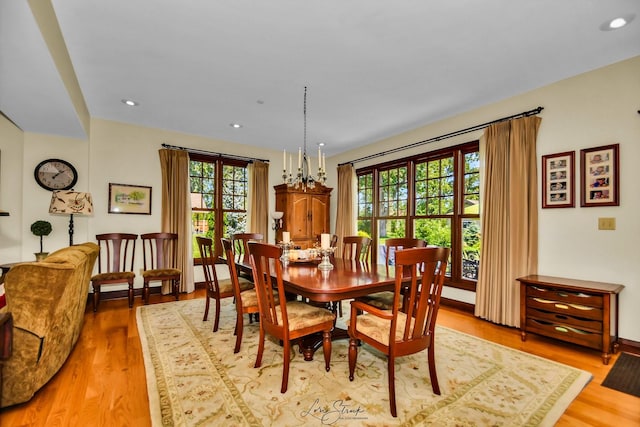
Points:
(103, 381)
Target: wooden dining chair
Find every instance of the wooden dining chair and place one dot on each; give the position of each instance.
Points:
(399, 333)
(115, 263)
(160, 260)
(384, 300)
(356, 248)
(241, 242)
(244, 292)
(285, 320)
(216, 289)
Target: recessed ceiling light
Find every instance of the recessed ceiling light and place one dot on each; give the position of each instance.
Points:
(617, 23)
(130, 103)
(235, 125)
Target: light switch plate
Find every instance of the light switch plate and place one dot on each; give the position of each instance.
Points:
(606, 223)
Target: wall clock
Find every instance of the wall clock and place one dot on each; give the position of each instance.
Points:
(55, 174)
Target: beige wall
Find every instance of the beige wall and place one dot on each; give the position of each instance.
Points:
(589, 110)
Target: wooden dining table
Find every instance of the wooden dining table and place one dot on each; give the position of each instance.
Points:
(347, 280)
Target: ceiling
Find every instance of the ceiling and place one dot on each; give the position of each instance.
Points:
(374, 68)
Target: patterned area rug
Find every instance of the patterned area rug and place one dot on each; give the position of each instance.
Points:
(195, 379)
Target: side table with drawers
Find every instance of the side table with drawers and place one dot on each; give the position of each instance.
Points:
(577, 311)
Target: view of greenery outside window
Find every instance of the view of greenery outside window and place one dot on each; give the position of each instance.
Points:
(434, 196)
(219, 188)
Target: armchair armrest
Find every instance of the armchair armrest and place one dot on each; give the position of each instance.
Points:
(362, 306)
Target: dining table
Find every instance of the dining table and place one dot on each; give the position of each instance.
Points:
(347, 279)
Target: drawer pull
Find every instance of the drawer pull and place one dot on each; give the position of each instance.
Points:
(561, 329)
(562, 294)
(562, 306)
(581, 307)
(543, 301)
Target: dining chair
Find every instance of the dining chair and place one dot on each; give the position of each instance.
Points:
(354, 248)
(216, 289)
(285, 320)
(240, 244)
(160, 260)
(115, 263)
(245, 294)
(384, 299)
(400, 332)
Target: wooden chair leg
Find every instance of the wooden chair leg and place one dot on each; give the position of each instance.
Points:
(326, 348)
(239, 328)
(260, 349)
(131, 293)
(432, 369)
(217, 321)
(391, 366)
(176, 289)
(145, 292)
(206, 307)
(353, 357)
(96, 297)
(286, 350)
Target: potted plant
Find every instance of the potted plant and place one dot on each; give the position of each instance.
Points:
(41, 228)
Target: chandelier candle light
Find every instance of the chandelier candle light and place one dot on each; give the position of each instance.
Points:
(303, 179)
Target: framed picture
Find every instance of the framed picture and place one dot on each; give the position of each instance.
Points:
(129, 199)
(599, 174)
(558, 172)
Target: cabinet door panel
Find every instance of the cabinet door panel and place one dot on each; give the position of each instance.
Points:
(319, 216)
(300, 217)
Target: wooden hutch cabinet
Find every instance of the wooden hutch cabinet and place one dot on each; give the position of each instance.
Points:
(306, 213)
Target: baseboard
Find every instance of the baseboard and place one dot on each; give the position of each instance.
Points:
(458, 305)
(629, 346)
(124, 293)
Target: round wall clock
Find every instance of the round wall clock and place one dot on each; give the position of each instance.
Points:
(55, 174)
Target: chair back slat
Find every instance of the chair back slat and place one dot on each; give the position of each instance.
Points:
(160, 250)
(356, 248)
(117, 252)
(208, 261)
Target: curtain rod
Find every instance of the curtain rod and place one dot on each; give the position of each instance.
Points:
(212, 153)
(445, 136)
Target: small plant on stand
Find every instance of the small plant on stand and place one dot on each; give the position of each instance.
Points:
(40, 229)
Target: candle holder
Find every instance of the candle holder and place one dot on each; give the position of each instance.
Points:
(285, 252)
(325, 264)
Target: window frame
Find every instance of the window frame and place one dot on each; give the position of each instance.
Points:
(219, 163)
(455, 280)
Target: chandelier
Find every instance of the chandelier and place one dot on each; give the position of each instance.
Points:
(303, 178)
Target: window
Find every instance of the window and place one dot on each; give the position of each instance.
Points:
(434, 196)
(219, 189)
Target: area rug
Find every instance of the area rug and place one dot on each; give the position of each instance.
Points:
(624, 376)
(195, 379)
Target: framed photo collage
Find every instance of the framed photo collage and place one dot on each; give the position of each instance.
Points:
(599, 178)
